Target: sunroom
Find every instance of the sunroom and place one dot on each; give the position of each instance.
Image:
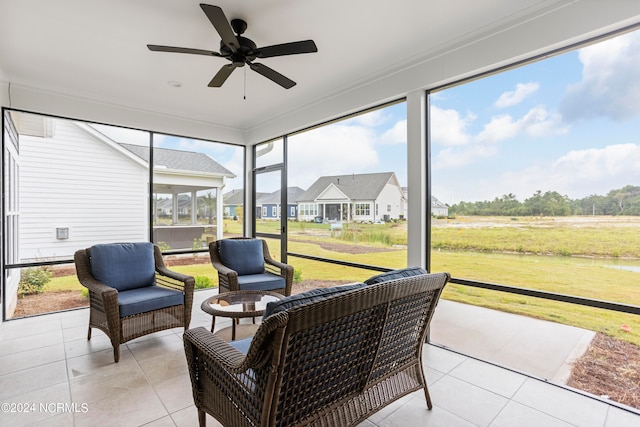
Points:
(521, 117)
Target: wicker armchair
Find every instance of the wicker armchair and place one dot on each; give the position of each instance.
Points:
(246, 264)
(328, 361)
(134, 294)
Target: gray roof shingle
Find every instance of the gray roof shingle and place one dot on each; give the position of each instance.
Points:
(366, 186)
(274, 198)
(179, 159)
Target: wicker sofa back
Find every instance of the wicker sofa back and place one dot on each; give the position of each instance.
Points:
(331, 362)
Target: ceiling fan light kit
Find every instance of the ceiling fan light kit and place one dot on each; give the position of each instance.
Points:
(241, 51)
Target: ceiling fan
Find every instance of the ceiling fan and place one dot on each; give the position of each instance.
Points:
(240, 50)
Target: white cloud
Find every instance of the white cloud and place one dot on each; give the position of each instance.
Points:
(463, 148)
(537, 122)
(331, 150)
(236, 165)
(578, 173)
(449, 128)
(397, 134)
(610, 85)
(456, 157)
(514, 97)
(370, 119)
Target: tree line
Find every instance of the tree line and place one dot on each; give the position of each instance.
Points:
(623, 201)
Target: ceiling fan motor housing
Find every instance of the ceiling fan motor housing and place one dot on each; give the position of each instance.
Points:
(246, 51)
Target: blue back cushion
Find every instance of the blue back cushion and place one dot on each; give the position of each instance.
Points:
(395, 274)
(308, 296)
(244, 256)
(123, 266)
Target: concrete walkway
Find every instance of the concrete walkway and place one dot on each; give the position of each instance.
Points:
(536, 347)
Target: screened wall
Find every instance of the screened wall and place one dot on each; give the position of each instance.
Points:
(72, 184)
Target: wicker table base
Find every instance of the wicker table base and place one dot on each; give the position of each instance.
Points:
(242, 331)
(238, 305)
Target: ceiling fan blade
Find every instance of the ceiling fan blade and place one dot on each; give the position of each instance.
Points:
(293, 48)
(222, 75)
(158, 48)
(273, 75)
(222, 26)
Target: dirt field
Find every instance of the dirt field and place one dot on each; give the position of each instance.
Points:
(571, 221)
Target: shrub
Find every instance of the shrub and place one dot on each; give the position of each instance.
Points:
(202, 282)
(564, 252)
(297, 275)
(164, 246)
(198, 243)
(33, 280)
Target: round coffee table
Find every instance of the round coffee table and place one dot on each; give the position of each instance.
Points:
(237, 305)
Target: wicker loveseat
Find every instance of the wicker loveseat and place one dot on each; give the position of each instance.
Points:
(131, 292)
(327, 357)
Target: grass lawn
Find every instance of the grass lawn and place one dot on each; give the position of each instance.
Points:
(507, 251)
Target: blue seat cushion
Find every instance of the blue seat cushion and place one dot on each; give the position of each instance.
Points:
(242, 345)
(395, 274)
(260, 282)
(141, 300)
(244, 255)
(308, 296)
(123, 266)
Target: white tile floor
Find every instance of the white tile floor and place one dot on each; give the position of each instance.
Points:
(47, 363)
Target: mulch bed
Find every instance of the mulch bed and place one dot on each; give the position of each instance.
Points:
(48, 302)
(610, 368)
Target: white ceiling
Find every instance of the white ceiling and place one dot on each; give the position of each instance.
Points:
(96, 50)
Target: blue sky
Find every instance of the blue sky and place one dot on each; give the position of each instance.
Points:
(570, 123)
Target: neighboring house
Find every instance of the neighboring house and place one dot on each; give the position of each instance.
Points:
(95, 189)
(438, 208)
(164, 205)
(183, 173)
(268, 205)
(234, 202)
(365, 197)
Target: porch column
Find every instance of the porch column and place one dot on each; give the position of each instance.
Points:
(418, 185)
(194, 208)
(174, 208)
(219, 213)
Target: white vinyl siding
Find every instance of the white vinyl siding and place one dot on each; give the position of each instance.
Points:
(73, 181)
(391, 201)
(10, 170)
